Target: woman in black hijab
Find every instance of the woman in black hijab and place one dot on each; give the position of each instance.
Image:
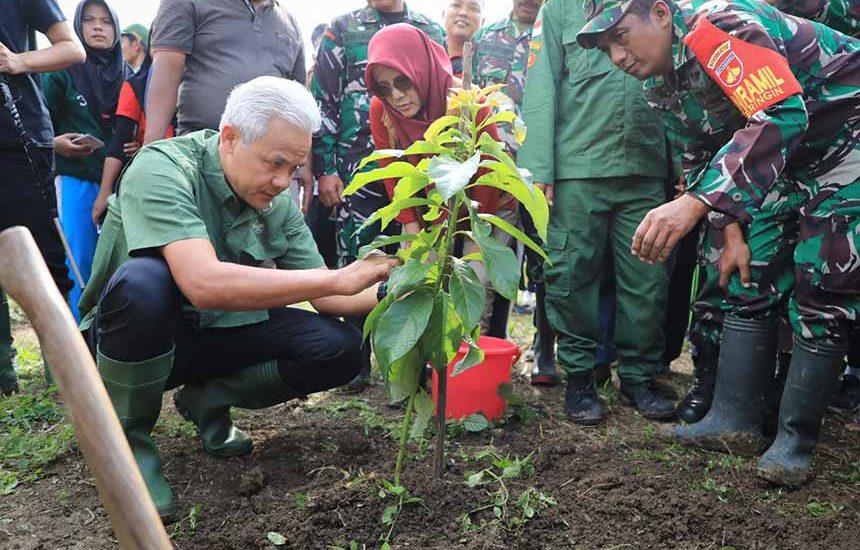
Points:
(82, 101)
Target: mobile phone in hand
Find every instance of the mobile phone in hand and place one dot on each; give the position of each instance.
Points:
(89, 141)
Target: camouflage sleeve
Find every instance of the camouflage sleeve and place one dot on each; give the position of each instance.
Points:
(546, 70)
(327, 88)
(759, 82)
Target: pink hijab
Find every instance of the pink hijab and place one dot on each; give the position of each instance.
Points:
(410, 52)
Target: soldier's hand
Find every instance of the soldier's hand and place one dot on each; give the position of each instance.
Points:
(664, 226)
(361, 274)
(735, 256)
(330, 190)
(546, 190)
(10, 62)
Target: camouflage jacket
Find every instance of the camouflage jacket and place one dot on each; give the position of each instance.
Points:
(501, 57)
(338, 86)
(754, 93)
(842, 15)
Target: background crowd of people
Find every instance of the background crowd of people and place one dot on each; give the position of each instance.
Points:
(596, 145)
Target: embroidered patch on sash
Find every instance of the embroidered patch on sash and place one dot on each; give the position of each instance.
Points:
(753, 77)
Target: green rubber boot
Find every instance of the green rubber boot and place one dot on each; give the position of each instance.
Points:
(207, 404)
(812, 377)
(8, 378)
(735, 420)
(135, 389)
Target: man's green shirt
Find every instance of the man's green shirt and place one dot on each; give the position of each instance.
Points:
(175, 190)
(585, 118)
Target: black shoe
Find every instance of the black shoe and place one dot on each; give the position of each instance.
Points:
(581, 402)
(602, 374)
(696, 403)
(358, 384)
(543, 375)
(846, 398)
(811, 378)
(647, 398)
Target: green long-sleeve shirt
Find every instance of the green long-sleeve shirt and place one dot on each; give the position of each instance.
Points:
(585, 118)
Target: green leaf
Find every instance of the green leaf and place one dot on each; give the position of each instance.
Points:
(384, 240)
(405, 277)
(402, 325)
(474, 357)
(452, 176)
(492, 148)
(475, 479)
(514, 232)
(388, 514)
(533, 200)
(507, 117)
(422, 147)
(403, 374)
(276, 538)
(394, 170)
(375, 313)
(499, 260)
(379, 154)
(444, 332)
(409, 185)
(388, 213)
(476, 423)
(423, 412)
(468, 293)
(440, 124)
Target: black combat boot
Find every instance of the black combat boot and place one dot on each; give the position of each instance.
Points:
(696, 403)
(734, 422)
(581, 400)
(813, 374)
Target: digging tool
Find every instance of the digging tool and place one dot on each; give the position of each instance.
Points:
(25, 277)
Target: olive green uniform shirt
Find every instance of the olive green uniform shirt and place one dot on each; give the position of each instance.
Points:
(175, 190)
(585, 118)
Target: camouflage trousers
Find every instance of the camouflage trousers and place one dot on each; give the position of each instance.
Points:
(350, 216)
(805, 250)
(771, 238)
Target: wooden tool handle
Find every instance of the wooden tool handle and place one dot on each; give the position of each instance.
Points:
(25, 277)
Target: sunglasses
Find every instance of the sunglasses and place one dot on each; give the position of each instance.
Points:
(401, 83)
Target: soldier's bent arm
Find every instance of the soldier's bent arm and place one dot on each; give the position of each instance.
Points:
(742, 172)
(327, 88)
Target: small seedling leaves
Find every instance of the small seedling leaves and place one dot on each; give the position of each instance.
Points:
(512, 471)
(497, 511)
(385, 546)
(401, 326)
(499, 260)
(397, 169)
(475, 479)
(476, 423)
(276, 538)
(452, 176)
(468, 294)
(423, 412)
(388, 514)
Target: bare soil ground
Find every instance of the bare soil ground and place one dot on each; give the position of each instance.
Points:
(314, 478)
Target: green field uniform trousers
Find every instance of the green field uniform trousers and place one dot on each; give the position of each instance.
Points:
(591, 219)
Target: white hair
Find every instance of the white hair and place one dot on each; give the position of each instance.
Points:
(253, 104)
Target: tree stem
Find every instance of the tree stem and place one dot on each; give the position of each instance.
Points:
(404, 436)
(439, 453)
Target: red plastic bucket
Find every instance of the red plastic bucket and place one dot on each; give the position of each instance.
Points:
(474, 391)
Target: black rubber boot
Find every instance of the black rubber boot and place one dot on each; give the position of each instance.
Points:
(544, 372)
(8, 377)
(362, 380)
(647, 398)
(581, 401)
(698, 400)
(734, 421)
(602, 374)
(814, 372)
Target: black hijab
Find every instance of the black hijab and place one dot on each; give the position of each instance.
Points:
(100, 78)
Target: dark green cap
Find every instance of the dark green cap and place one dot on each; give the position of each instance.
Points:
(601, 15)
(138, 31)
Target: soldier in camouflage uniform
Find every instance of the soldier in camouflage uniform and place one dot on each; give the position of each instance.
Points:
(786, 94)
(344, 139)
(842, 15)
(502, 56)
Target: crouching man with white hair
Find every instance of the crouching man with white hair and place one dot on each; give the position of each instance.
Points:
(198, 255)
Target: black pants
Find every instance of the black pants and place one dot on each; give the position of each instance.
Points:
(140, 317)
(23, 202)
(323, 230)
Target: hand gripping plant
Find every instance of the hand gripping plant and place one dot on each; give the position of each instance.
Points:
(435, 300)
